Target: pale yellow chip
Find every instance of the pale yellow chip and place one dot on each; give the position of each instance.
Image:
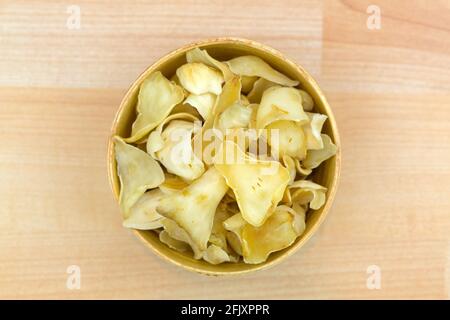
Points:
(143, 215)
(172, 183)
(235, 116)
(308, 192)
(202, 56)
(286, 138)
(157, 97)
(172, 243)
(138, 172)
(307, 101)
(280, 103)
(231, 94)
(177, 233)
(215, 255)
(218, 233)
(204, 103)
(260, 85)
(277, 233)
(289, 164)
(302, 171)
(252, 66)
(177, 154)
(314, 158)
(198, 78)
(258, 185)
(155, 142)
(313, 130)
(194, 207)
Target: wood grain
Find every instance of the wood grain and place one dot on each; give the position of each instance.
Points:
(389, 89)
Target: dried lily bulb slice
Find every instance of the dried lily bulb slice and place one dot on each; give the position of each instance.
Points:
(277, 233)
(173, 243)
(260, 85)
(177, 233)
(143, 215)
(252, 66)
(235, 116)
(313, 130)
(218, 232)
(231, 93)
(280, 103)
(257, 184)
(193, 208)
(308, 192)
(291, 138)
(289, 163)
(157, 97)
(314, 158)
(307, 100)
(177, 154)
(204, 103)
(137, 172)
(302, 171)
(215, 255)
(198, 78)
(202, 56)
(155, 141)
(172, 184)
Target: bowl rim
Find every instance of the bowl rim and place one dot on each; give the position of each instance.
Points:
(332, 189)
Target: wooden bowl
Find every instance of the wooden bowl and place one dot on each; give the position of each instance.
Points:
(223, 49)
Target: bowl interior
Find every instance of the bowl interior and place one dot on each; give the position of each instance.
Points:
(223, 49)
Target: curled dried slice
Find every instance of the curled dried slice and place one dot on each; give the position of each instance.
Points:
(235, 116)
(155, 141)
(218, 232)
(299, 218)
(157, 97)
(280, 103)
(177, 154)
(216, 255)
(204, 103)
(231, 93)
(277, 233)
(307, 100)
(260, 85)
(314, 158)
(176, 232)
(173, 243)
(137, 172)
(143, 215)
(257, 184)
(287, 138)
(251, 66)
(202, 56)
(303, 171)
(289, 163)
(198, 78)
(313, 130)
(172, 184)
(193, 208)
(308, 192)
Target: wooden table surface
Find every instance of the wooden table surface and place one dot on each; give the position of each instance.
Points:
(389, 88)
